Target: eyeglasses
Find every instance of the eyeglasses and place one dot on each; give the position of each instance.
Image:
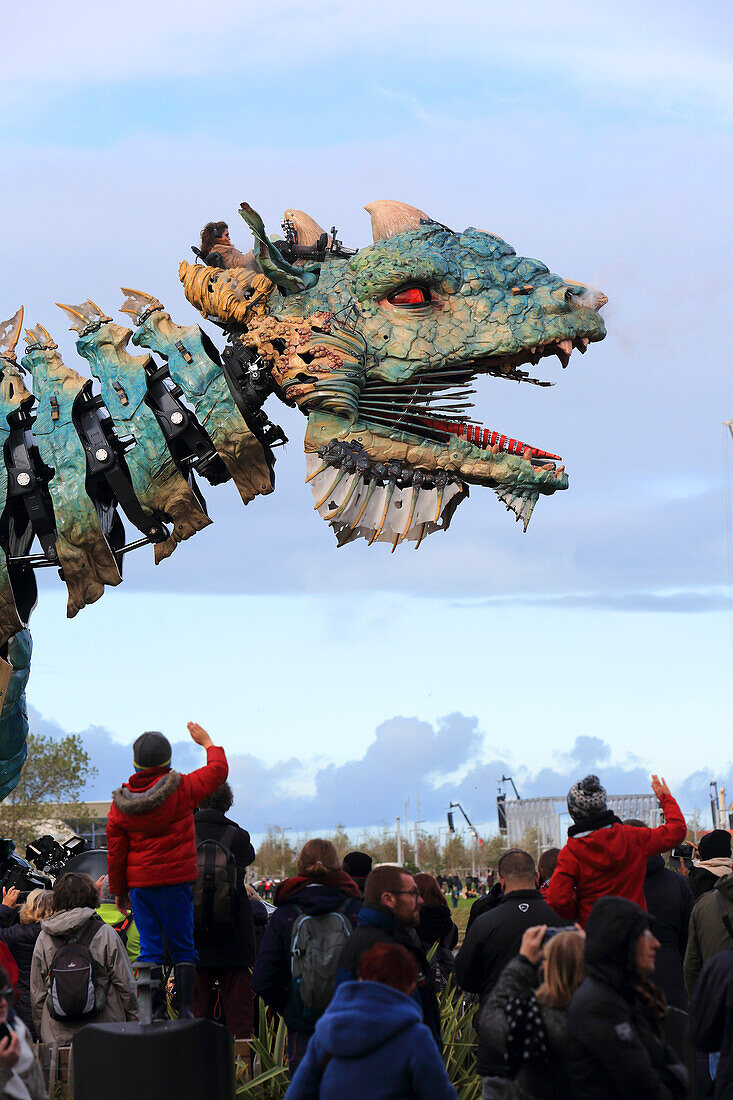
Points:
(8, 994)
(410, 893)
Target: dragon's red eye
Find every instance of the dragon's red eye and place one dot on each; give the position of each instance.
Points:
(409, 296)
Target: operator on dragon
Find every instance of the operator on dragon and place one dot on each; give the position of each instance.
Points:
(151, 856)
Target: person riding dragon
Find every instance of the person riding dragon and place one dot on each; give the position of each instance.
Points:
(380, 348)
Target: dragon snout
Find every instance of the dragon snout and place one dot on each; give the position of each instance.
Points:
(587, 297)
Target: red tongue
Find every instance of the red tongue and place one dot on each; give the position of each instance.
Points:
(484, 438)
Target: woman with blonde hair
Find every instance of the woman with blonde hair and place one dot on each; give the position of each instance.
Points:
(525, 1018)
(19, 929)
(320, 905)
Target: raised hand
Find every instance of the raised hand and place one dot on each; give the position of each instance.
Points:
(199, 735)
(532, 943)
(10, 897)
(660, 788)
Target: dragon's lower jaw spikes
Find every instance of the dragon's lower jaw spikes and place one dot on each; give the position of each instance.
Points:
(357, 506)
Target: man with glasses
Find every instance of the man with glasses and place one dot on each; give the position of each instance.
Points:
(390, 914)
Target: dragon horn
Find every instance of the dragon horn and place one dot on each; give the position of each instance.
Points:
(83, 315)
(10, 333)
(390, 217)
(39, 335)
(137, 303)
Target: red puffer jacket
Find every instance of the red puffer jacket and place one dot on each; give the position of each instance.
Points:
(150, 829)
(611, 860)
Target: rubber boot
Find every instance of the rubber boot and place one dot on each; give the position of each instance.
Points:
(185, 989)
(159, 999)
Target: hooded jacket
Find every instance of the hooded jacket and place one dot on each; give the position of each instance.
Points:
(271, 976)
(150, 829)
(708, 934)
(371, 1044)
(115, 974)
(609, 858)
(615, 1047)
(711, 1018)
(670, 901)
(379, 926)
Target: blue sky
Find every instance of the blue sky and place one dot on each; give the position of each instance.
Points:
(595, 139)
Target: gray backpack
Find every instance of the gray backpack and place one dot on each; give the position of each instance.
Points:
(315, 946)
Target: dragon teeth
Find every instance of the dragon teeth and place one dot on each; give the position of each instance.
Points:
(355, 507)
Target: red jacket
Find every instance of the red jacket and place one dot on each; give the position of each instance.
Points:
(150, 830)
(610, 861)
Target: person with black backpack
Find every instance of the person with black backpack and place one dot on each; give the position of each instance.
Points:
(295, 968)
(223, 923)
(80, 972)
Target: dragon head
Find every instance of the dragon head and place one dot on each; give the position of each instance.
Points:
(382, 349)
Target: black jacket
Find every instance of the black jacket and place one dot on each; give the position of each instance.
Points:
(20, 939)
(492, 941)
(378, 926)
(485, 904)
(711, 1018)
(670, 901)
(615, 1046)
(232, 947)
(540, 1078)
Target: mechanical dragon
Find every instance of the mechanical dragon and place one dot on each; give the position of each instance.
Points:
(380, 348)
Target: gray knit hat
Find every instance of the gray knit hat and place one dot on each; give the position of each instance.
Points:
(587, 799)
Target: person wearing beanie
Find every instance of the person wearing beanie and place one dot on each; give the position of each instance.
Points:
(357, 865)
(151, 851)
(711, 923)
(713, 862)
(604, 856)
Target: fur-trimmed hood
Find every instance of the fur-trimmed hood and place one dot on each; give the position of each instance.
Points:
(129, 801)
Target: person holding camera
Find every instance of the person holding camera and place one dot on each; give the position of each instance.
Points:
(493, 940)
(21, 1076)
(20, 928)
(526, 1015)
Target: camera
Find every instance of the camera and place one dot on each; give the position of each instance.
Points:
(49, 857)
(554, 931)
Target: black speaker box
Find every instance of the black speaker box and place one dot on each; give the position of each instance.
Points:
(185, 1059)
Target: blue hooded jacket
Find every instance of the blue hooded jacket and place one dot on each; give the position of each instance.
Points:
(371, 1044)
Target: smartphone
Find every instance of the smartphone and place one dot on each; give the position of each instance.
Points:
(5, 1032)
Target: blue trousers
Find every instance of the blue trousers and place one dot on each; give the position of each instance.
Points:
(164, 917)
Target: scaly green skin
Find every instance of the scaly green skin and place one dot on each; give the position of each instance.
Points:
(470, 274)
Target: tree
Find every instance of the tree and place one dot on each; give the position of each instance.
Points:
(276, 856)
(49, 789)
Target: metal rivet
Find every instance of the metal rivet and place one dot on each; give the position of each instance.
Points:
(101, 455)
(177, 418)
(24, 479)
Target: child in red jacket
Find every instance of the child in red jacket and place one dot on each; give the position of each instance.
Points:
(603, 856)
(151, 850)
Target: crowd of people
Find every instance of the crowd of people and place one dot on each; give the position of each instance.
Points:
(598, 972)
